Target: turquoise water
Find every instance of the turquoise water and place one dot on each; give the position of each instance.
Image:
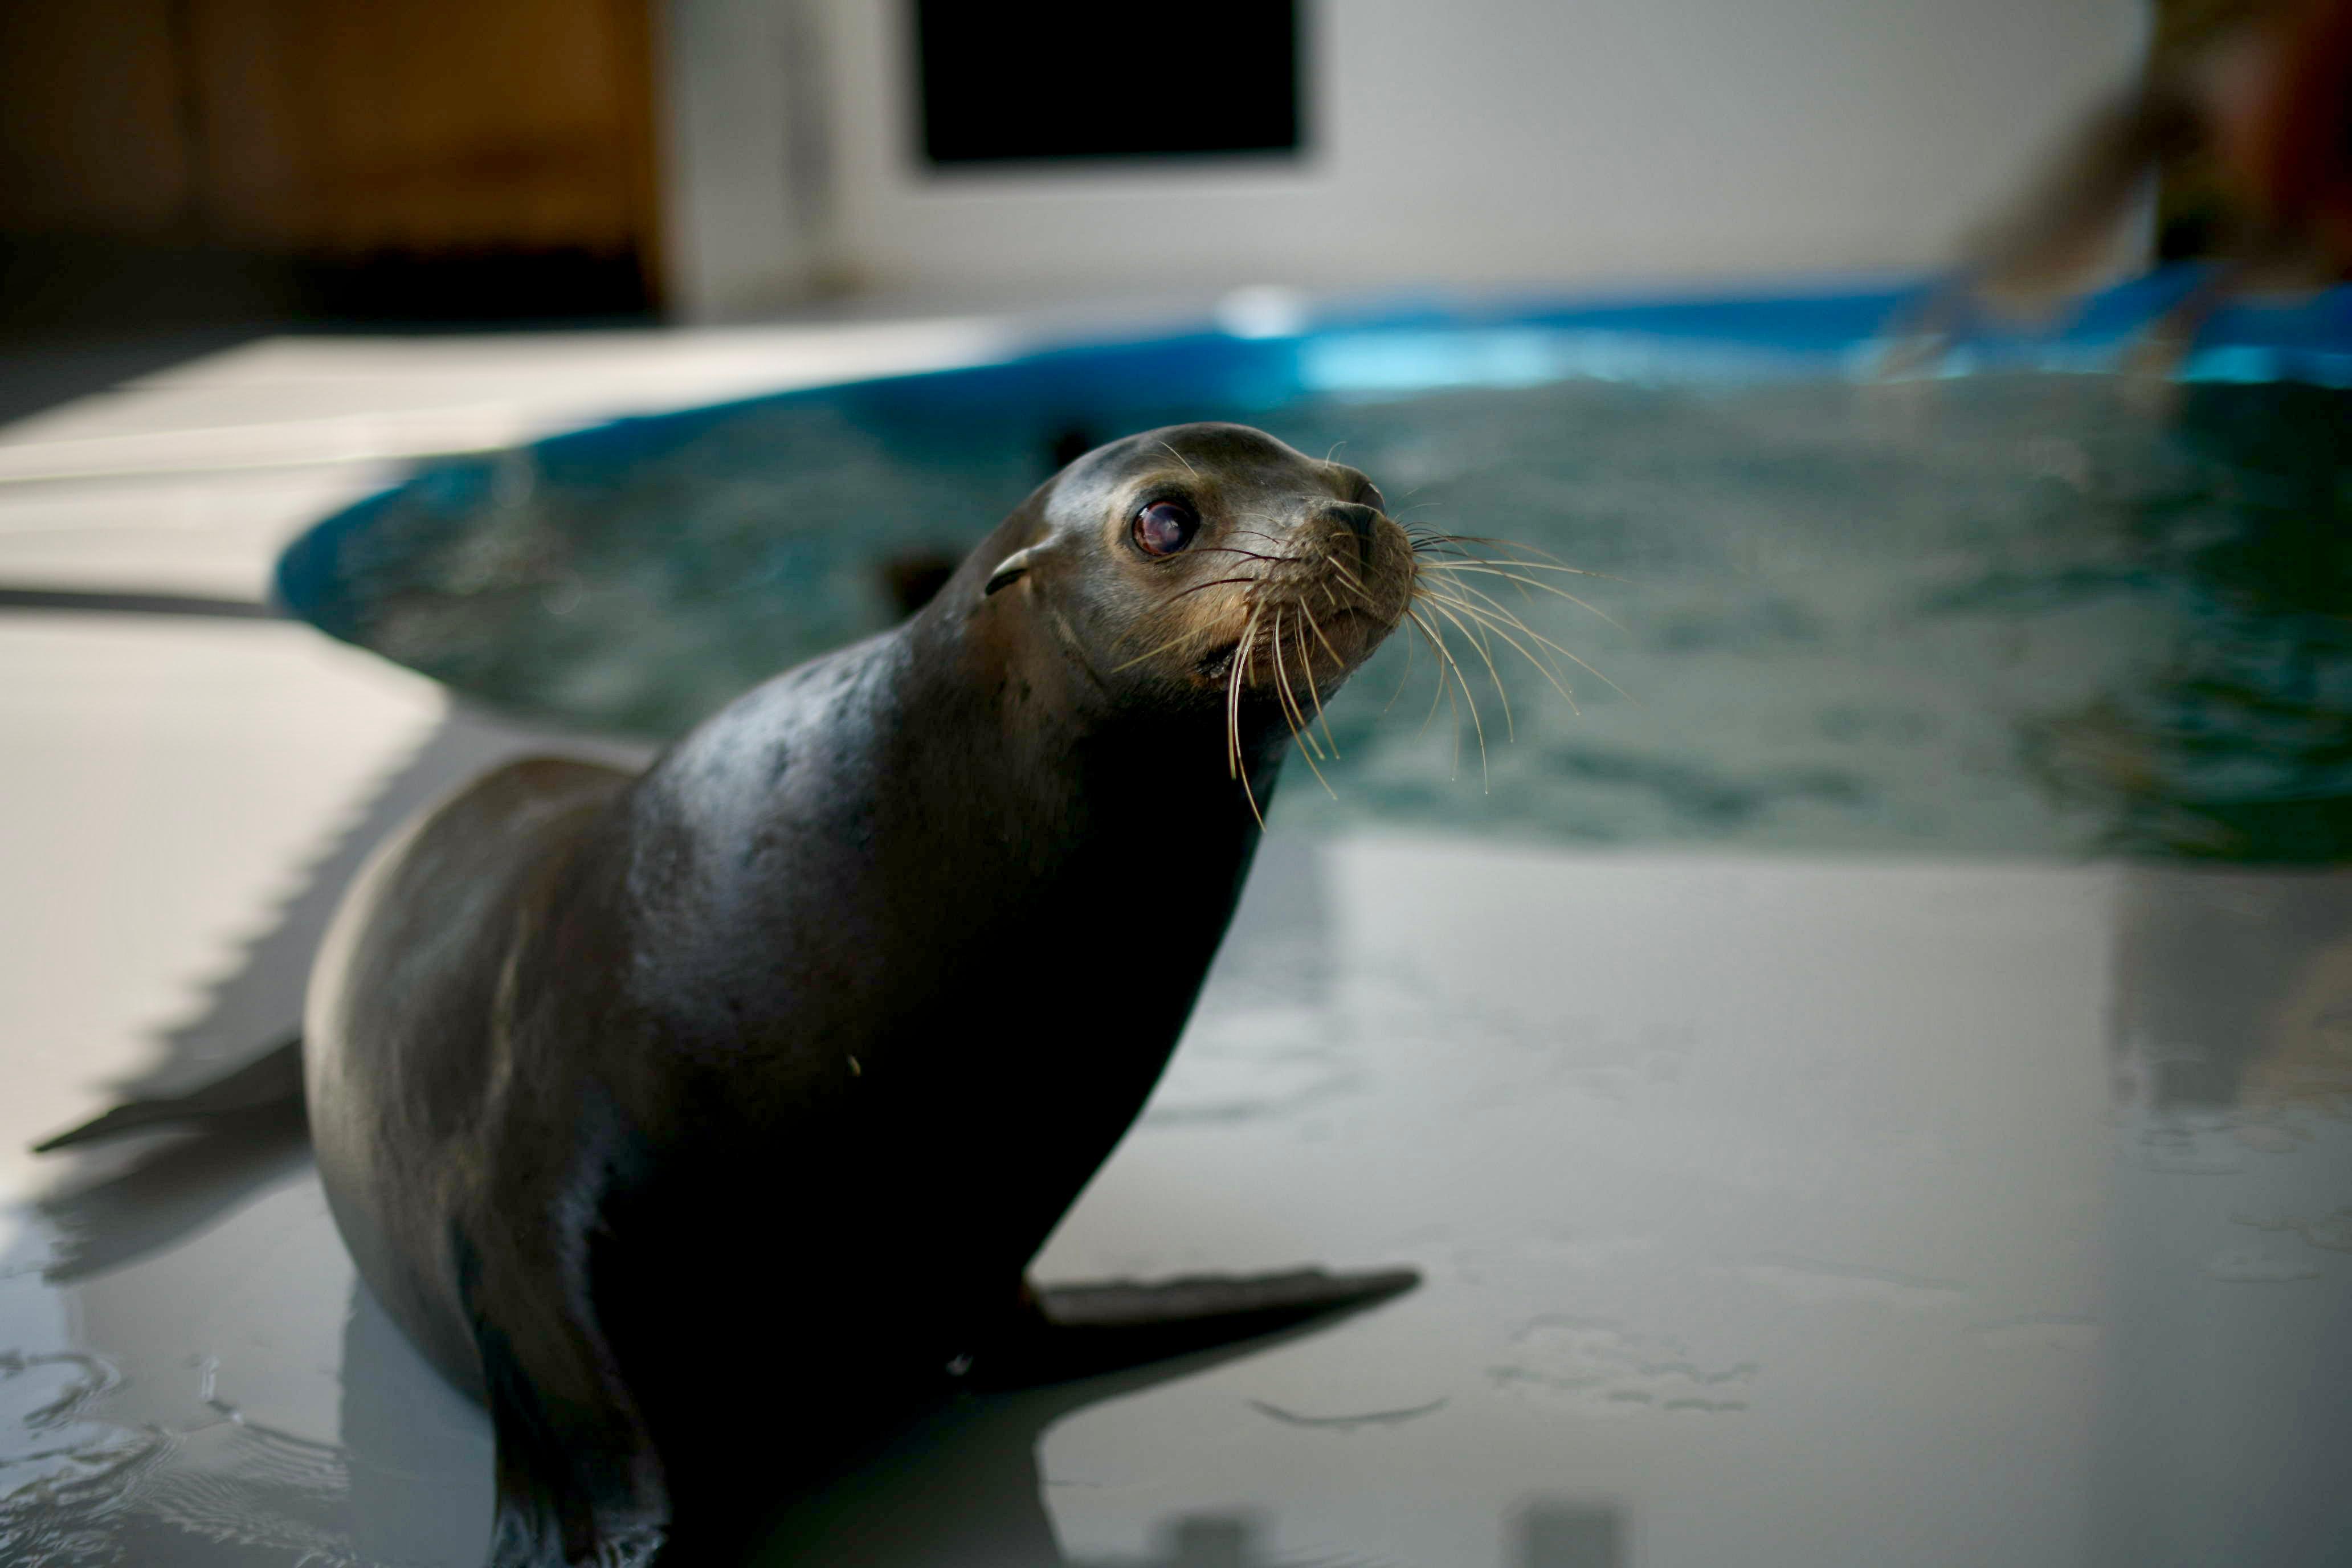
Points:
(2017, 613)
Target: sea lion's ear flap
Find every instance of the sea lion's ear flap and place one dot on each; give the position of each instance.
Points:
(1014, 567)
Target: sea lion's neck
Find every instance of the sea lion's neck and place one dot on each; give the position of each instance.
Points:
(1018, 718)
(921, 815)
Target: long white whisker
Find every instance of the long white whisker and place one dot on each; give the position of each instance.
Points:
(1307, 664)
(1580, 663)
(1557, 682)
(1493, 614)
(1485, 569)
(1510, 730)
(1299, 731)
(1468, 701)
(1431, 634)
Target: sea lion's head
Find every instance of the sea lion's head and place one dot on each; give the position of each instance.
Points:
(1206, 565)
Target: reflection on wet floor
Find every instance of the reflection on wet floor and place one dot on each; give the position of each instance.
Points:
(1546, 1535)
(2238, 991)
(201, 1420)
(1772, 1211)
(2233, 1035)
(176, 1191)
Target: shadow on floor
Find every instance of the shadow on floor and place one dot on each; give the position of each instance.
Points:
(41, 370)
(259, 1003)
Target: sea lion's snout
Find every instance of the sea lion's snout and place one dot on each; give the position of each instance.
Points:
(1306, 589)
(1366, 566)
(1361, 520)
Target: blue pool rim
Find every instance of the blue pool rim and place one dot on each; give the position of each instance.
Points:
(1401, 350)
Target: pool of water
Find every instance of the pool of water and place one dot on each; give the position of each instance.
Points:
(2037, 608)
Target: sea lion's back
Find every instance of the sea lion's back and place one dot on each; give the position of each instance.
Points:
(400, 1059)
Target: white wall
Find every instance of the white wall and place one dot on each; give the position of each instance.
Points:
(746, 118)
(1473, 141)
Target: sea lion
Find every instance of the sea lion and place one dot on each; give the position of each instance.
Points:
(703, 1119)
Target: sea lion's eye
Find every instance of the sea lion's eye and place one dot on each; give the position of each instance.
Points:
(1165, 527)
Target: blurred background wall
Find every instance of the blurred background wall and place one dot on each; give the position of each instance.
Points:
(1500, 141)
(420, 159)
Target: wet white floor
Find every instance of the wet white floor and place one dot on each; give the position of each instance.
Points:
(1772, 1211)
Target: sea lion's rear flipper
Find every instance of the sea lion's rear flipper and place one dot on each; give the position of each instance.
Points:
(1066, 1332)
(266, 1089)
(562, 1495)
(577, 1480)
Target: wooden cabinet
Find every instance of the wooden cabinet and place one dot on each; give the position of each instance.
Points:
(337, 137)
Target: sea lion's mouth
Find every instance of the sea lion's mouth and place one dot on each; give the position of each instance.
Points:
(1340, 641)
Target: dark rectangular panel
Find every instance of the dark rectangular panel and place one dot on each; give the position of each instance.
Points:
(1054, 79)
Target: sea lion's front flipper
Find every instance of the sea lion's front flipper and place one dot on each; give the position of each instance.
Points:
(1065, 1331)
